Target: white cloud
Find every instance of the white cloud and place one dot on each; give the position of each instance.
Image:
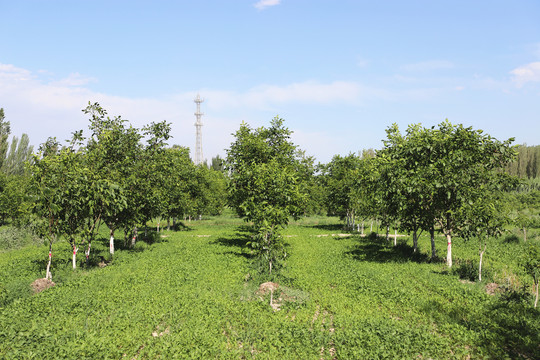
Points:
(9, 73)
(266, 97)
(41, 108)
(428, 65)
(263, 4)
(74, 79)
(526, 73)
(306, 92)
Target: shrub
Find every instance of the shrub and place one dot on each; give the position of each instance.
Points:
(12, 237)
(468, 270)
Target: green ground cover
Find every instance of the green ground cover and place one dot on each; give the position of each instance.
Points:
(193, 294)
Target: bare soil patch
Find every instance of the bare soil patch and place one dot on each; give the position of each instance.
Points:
(279, 295)
(158, 333)
(267, 287)
(492, 288)
(41, 284)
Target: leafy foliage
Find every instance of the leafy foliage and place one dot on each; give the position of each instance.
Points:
(344, 179)
(20, 153)
(5, 130)
(264, 187)
(531, 262)
(444, 175)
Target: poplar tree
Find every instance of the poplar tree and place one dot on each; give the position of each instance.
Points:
(20, 152)
(5, 130)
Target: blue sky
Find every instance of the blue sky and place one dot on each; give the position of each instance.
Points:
(338, 72)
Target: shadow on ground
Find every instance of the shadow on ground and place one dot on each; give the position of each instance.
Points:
(520, 338)
(238, 242)
(379, 250)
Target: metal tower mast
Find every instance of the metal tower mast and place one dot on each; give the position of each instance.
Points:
(198, 125)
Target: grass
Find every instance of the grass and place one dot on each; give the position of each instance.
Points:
(193, 294)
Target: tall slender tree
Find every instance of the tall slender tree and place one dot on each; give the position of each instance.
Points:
(20, 152)
(5, 130)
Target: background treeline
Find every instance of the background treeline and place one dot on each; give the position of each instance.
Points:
(527, 164)
(15, 156)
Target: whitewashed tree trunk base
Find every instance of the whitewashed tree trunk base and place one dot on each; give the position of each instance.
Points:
(111, 245)
(449, 250)
(75, 258)
(48, 274)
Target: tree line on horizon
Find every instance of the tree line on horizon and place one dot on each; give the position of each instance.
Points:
(527, 163)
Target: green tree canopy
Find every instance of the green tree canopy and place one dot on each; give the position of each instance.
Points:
(264, 187)
(439, 174)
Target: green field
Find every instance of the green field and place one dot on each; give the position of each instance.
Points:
(194, 294)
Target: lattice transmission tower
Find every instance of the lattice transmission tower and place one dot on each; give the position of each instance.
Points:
(198, 125)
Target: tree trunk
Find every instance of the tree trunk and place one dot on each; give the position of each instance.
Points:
(433, 250)
(449, 250)
(74, 257)
(371, 229)
(481, 258)
(88, 252)
(111, 243)
(415, 241)
(448, 233)
(168, 224)
(134, 238)
(48, 274)
(395, 237)
(524, 234)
